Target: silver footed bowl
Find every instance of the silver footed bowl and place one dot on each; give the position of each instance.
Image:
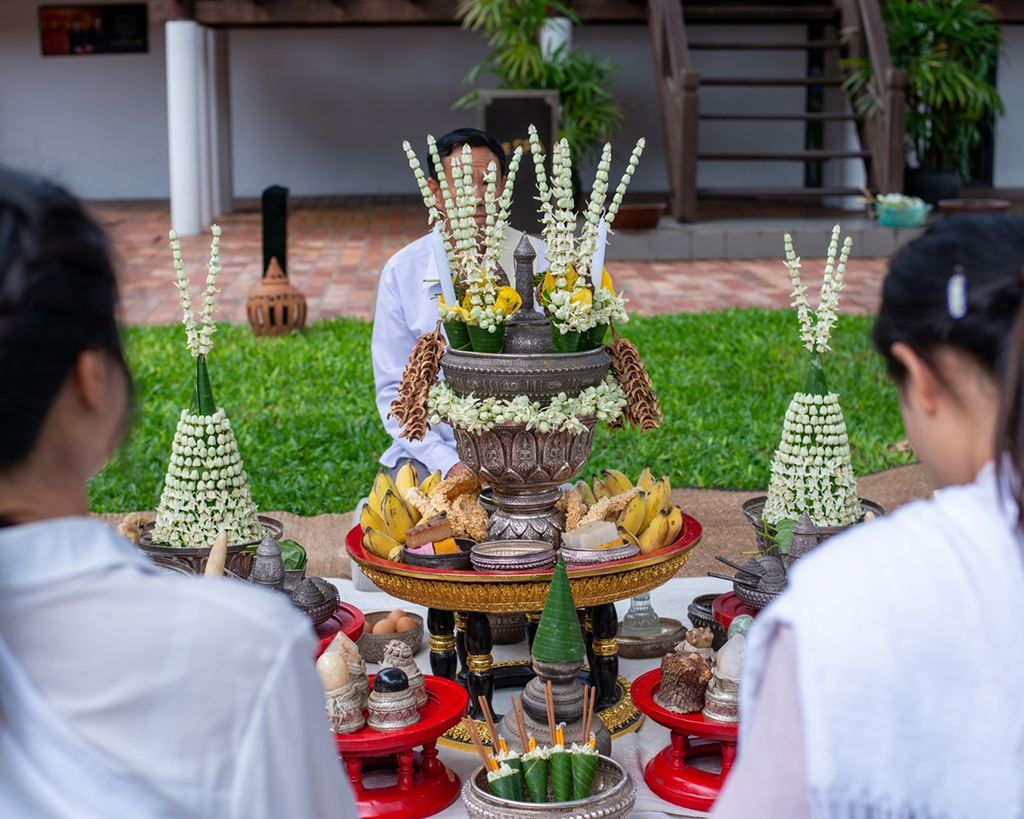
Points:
(513, 556)
(614, 797)
(541, 376)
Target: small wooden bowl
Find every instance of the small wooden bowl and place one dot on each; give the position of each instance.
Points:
(639, 216)
(371, 646)
(458, 561)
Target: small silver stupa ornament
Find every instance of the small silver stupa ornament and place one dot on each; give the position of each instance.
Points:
(268, 568)
(316, 598)
(721, 700)
(398, 655)
(391, 705)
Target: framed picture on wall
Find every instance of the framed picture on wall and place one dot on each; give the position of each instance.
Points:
(93, 29)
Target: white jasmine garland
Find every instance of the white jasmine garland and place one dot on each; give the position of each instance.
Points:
(604, 402)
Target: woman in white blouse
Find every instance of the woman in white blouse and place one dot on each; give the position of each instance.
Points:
(888, 681)
(124, 691)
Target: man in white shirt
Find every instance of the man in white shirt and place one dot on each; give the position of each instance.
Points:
(407, 308)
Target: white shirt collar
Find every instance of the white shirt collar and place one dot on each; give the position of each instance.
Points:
(37, 554)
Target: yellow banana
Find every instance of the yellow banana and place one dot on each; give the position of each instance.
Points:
(655, 502)
(668, 493)
(369, 518)
(396, 516)
(653, 537)
(381, 484)
(632, 517)
(616, 482)
(600, 490)
(379, 543)
(675, 525)
(646, 479)
(407, 478)
(628, 537)
(430, 482)
(586, 492)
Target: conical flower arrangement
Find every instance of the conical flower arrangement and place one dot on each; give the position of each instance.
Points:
(558, 638)
(811, 470)
(206, 491)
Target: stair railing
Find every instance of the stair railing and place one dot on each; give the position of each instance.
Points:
(885, 121)
(677, 92)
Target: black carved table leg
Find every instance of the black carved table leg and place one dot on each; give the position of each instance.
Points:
(588, 644)
(604, 623)
(441, 624)
(532, 621)
(478, 662)
(460, 644)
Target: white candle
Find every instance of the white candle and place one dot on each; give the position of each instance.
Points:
(444, 270)
(597, 267)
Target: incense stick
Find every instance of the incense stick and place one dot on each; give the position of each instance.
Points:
(470, 727)
(520, 721)
(496, 742)
(586, 714)
(549, 701)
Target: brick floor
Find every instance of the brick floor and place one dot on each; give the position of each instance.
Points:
(336, 253)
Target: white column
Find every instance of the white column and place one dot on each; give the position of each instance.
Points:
(183, 125)
(554, 34)
(219, 117)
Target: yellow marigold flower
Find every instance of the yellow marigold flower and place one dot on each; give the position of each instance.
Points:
(508, 301)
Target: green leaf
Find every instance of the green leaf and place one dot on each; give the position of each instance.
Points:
(784, 535)
(293, 555)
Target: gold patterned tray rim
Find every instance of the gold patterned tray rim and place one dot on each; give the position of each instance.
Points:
(683, 544)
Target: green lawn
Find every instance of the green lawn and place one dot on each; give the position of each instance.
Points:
(302, 407)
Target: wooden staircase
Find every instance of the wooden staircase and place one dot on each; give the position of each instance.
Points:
(834, 29)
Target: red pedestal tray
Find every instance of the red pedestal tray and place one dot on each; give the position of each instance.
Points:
(425, 785)
(347, 619)
(727, 607)
(670, 774)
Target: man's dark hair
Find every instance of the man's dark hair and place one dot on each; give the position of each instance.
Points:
(474, 138)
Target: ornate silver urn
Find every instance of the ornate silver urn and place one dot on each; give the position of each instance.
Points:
(524, 466)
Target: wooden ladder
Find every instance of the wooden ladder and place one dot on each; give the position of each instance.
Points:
(863, 34)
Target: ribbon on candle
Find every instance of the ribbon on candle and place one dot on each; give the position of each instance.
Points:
(597, 266)
(444, 270)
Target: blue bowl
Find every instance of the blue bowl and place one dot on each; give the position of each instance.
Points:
(901, 217)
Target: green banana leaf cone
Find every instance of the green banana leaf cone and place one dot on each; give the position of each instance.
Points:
(516, 764)
(485, 341)
(504, 787)
(584, 768)
(565, 342)
(558, 638)
(561, 776)
(458, 335)
(535, 771)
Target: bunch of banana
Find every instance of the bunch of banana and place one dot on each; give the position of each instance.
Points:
(387, 516)
(650, 521)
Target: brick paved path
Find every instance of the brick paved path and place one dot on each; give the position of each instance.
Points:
(336, 253)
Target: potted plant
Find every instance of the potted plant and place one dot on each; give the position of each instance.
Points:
(949, 49)
(589, 113)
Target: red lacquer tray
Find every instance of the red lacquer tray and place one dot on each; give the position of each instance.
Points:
(425, 786)
(669, 774)
(347, 619)
(727, 607)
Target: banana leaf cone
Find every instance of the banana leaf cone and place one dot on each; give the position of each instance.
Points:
(458, 335)
(503, 784)
(516, 764)
(484, 341)
(535, 771)
(561, 776)
(564, 342)
(584, 768)
(594, 337)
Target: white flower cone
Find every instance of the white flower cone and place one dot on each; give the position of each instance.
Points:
(206, 490)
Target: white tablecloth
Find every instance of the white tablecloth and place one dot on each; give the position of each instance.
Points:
(632, 751)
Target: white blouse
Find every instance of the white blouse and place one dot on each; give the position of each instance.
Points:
(205, 689)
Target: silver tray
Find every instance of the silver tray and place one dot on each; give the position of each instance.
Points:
(658, 645)
(512, 556)
(588, 557)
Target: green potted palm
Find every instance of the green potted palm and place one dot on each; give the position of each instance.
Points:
(519, 61)
(949, 49)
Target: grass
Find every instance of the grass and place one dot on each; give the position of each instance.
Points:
(303, 411)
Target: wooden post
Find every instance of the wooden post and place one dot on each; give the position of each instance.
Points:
(895, 125)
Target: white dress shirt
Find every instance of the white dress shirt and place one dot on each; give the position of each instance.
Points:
(205, 689)
(407, 308)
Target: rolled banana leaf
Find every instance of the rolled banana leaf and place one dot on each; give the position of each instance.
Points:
(584, 767)
(561, 776)
(535, 771)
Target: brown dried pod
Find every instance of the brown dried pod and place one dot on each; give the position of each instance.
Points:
(642, 410)
(684, 678)
(410, 407)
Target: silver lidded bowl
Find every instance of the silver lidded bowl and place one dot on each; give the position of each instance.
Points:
(588, 557)
(614, 797)
(541, 376)
(316, 598)
(513, 556)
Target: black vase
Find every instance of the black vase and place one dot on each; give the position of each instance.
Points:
(931, 186)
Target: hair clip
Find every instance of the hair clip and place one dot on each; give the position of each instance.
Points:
(956, 294)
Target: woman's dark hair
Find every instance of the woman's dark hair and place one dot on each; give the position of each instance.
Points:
(960, 285)
(58, 298)
(474, 138)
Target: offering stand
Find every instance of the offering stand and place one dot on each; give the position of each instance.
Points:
(727, 607)
(670, 773)
(347, 619)
(454, 595)
(425, 786)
